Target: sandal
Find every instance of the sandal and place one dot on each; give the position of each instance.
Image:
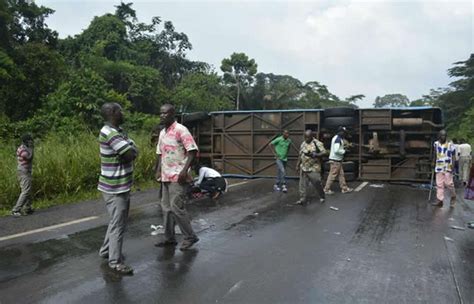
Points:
(121, 268)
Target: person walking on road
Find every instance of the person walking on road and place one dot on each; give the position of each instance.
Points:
(176, 151)
(445, 156)
(336, 158)
(117, 153)
(280, 147)
(464, 155)
(24, 157)
(309, 166)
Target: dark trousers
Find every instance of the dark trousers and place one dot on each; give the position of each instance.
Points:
(213, 184)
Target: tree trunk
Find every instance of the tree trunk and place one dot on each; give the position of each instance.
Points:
(238, 95)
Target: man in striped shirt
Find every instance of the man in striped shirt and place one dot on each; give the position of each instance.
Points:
(117, 153)
(24, 156)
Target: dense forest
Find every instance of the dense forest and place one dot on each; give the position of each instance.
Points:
(51, 84)
(54, 88)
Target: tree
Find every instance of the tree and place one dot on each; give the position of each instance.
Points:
(391, 100)
(201, 92)
(81, 97)
(239, 70)
(30, 68)
(37, 72)
(355, 98)
(273, 92)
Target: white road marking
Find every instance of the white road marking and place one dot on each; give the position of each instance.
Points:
(234, 288)
(361, 186)
(238, 184)
(13, 236)
(85, 219)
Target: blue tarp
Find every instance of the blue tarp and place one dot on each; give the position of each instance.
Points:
(319, 110)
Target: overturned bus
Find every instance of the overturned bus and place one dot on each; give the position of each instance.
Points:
(387, 144)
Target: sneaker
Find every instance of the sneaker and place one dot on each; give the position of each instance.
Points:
(166, 243)
(276, 188)
(347, 190)
(187, 244)
(16, 213)
(328, 192)
(121, 269)
(322, 200)
(284, 189)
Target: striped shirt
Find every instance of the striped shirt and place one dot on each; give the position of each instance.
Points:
(24, 158)
(115, 176)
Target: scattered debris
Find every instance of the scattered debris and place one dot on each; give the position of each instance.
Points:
(377, 185)
(348, 259)
(450, 219)
(159, 229)
(422, 186)
(470, 225)
(448, 239)
(334, 208)
(458, 228)
(337, 233)
(202, 222)
(249, 235)
(256, 213)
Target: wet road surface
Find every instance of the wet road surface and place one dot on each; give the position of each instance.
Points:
(383, 245)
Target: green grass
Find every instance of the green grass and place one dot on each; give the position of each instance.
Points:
(66, 170)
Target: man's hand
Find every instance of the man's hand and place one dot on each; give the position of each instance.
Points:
(182, 177)
(158, 175)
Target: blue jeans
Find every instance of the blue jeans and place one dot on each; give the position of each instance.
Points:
(281, 174)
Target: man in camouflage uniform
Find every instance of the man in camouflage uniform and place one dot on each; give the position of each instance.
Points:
(309, 166)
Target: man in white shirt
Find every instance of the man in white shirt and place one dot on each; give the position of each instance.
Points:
(336, 157)
(210, 180)
(464, 156)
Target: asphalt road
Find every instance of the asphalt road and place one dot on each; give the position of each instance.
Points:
(383, 245)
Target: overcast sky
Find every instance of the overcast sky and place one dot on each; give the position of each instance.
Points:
(354, 47)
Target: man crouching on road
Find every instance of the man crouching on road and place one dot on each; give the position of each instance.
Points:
(309, 166)
(117, 153)
(336, 158)
(176, 151)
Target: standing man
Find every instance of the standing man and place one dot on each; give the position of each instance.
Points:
(464, 155)
(176, 151)
(309, 166)
(24, 157)
(280, 147)
(445, 156)
(117, 153)
(336, 158)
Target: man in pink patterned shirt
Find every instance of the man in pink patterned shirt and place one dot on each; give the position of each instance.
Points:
(175, 151)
